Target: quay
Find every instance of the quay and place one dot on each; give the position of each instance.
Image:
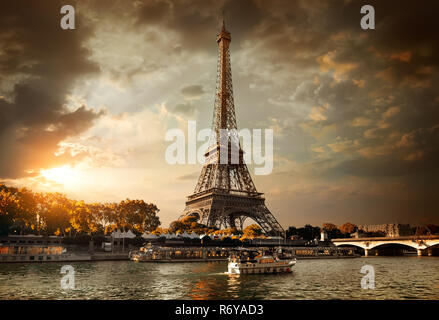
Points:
(152, 253)
(34, 249)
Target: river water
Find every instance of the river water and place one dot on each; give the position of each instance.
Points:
(395, 278)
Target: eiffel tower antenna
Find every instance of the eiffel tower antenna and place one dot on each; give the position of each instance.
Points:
(225, 195)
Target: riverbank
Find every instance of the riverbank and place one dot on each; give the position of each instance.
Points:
(225, 260)
(24, 249)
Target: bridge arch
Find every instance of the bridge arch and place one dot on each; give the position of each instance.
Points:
(359, 250)
(434, 246)
(375, 244)
(351, 244)
(413, 245)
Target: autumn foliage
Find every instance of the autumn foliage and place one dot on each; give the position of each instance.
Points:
(348, 228)
(189, 224)
(23, 211)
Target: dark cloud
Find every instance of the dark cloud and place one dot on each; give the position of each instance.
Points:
(192, 20)
(364, 72)
(154, 12)
(40, 62)
(197, 20)
(368, 99)
(192, 91)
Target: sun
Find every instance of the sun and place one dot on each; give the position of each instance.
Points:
(63, 175)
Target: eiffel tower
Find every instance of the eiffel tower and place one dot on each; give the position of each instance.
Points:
(225, 194)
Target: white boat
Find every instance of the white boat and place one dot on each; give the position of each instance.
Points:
(261, 264)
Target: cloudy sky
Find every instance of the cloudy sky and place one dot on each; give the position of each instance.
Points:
(355, 113)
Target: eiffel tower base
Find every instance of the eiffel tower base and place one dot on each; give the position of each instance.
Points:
(226, 210)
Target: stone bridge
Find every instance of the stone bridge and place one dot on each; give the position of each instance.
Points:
(421, 243)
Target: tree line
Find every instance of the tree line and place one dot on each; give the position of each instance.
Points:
(345, 230)
(308, 232)
(23, 211)
(189, 224)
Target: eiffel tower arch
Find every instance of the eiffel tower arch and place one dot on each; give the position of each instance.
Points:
(225, 195)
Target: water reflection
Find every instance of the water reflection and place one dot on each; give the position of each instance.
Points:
(396, 278)
(203, 290)
(233, 285)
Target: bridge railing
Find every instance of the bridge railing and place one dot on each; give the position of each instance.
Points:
(433, 237)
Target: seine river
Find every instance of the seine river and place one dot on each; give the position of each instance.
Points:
(395, 278)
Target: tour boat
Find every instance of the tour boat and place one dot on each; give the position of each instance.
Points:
(36, 248)
(260, 264)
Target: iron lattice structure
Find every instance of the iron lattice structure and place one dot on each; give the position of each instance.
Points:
(225, 194)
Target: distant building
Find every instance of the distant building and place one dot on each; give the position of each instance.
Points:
(389, 230)
(323, 235)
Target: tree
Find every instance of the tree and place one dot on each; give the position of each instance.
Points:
(189, 224)
(252, 231)
(308, 232)
(291, 231)
(9, 207)
(139, 215)
(17, 209)
(333, 231)
(82, 218)
(347, 228)
(178, 226)
(26, 217)
(108, 217)
(54, 212)
(228, 232)
(428, 229)
(329, 227)
(432, 228)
